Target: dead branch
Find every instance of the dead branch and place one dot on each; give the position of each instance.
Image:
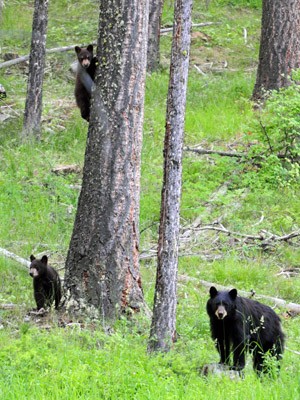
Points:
(199, 70)
(48, 51)
(8, 306)
(222, 229)
(234, 154)
(293, 351)
(202, 255)
(167, 30)
(66, 169)
(18, 60)
(245, 35)
(13, 256)
(219, 153)
(264, 236)
(278, 302)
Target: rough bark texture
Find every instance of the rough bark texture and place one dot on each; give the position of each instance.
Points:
(279, 45)
(33, 106)
(102, 269)
(153, 55)
(163, 329)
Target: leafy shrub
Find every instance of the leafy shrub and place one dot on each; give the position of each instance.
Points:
(279, 134)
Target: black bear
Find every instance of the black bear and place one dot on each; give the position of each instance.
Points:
(239, 324)
(85, 76)
(46, 283)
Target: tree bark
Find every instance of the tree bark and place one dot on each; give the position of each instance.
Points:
(33, 106)
(279, 45)
(153, 54)
(163, 329)
(102, 268)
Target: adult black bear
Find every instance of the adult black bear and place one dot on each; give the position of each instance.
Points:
(85, 76)
(239, 324)
(46, 283)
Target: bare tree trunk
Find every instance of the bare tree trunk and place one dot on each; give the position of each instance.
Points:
(163, 329)
(153, 55)
(33, 106)
(279, 45)
(1, 8)
(102, 269)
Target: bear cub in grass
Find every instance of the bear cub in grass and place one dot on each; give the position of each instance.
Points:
(46, 283)
(85, 76)
(239, 324)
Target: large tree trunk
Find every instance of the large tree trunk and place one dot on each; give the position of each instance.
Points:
(33, 106)
(163, 329)
(279, 45)
(153, 54)
(102, 269)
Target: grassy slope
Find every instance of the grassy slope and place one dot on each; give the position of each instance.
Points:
(38, 207)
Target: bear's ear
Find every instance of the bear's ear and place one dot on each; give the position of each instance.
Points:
(213, 292)
(32, 257)
(90, 48)
(44, 260)
(77, 49)
(233, 294)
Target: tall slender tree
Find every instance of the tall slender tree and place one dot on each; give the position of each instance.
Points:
(153, 53)
(102, 268)
(163, 328)
(279, 45)
(33, 106)
(1, 8)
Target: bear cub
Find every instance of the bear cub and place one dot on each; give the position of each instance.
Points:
(85, 76)
(238, 324)
(46, 283)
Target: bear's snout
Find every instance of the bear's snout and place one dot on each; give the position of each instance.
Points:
(221, 312)
(85, 63)
(33, 272)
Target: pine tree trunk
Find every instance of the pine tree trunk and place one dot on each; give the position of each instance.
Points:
(279, 45)
(102, 269)
(163, 329)
(153, 54)
(33, 106)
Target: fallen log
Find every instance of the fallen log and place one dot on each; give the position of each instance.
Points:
(13, 256)
(184, 278)
(278, 302)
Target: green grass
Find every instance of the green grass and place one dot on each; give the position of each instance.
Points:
(37, 209)
(74, 363)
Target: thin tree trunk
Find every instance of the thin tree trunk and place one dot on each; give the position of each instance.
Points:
(102, 269)
(153, 54)
(279, 46)
(163, 329)
(33, 106)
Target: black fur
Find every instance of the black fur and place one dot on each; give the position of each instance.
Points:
(46, 283)
(239, 324)
(85, 76)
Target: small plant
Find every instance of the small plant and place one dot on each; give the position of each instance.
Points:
(271, 365)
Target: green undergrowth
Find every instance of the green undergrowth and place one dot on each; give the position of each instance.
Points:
(74, 363)
(252, 195)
